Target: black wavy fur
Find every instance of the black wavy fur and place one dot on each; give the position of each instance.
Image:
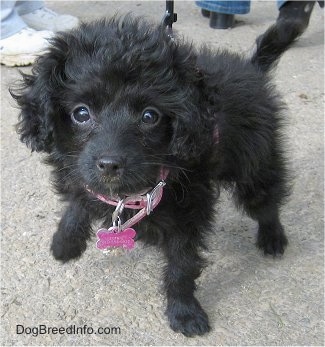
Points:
(274, 42)
(114, 101)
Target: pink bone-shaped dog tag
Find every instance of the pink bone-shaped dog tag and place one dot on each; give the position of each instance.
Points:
(111, 238)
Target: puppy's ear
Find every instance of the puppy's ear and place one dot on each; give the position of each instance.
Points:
(35, 99)
(188, 136)
(191, 125)
(35, 124)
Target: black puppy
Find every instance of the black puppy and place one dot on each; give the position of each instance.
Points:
(122, 109)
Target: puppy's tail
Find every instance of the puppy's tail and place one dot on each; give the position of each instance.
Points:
(273, 43)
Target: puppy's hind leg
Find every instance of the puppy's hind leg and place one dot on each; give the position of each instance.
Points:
(261, 198)
(74, 229)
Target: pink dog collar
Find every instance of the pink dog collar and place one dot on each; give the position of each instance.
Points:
(121, 235)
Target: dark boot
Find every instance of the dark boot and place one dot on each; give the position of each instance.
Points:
(205, 13)
(219, 20)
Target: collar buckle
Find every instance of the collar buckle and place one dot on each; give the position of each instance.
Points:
(154, 196)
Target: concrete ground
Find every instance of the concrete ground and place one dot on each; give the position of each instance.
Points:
(251, 299)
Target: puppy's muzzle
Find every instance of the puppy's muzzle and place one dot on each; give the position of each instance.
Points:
(109, 166)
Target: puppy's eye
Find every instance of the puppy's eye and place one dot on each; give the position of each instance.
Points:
(81, 115)
(150, 116)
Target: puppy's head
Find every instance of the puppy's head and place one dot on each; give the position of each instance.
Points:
(112, 103)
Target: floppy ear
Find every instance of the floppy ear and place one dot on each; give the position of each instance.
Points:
(35, 125)
(189, 136)
(192, 129)
(35, 100)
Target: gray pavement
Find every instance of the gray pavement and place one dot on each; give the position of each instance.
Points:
(251, 299)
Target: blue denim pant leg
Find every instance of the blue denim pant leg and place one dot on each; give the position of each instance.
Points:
(11, 23)
(24, 7)
(228, 7)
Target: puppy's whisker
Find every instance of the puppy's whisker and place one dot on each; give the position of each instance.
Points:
(166, 164)
(71, 166)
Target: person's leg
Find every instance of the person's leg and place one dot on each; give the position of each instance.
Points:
(19, 44)
(222, 13)
(39, 17)
(11, 23)
(228, 7)
(24, 7)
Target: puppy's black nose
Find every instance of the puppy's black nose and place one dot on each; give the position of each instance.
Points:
(110, 166)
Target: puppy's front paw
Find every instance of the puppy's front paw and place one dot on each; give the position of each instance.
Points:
(189, 319)
(273, 243)
(64, 249)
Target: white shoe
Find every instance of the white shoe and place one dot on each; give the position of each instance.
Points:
(46, 19)
(24, 47)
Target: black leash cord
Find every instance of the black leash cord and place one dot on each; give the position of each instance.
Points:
(170, 17)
